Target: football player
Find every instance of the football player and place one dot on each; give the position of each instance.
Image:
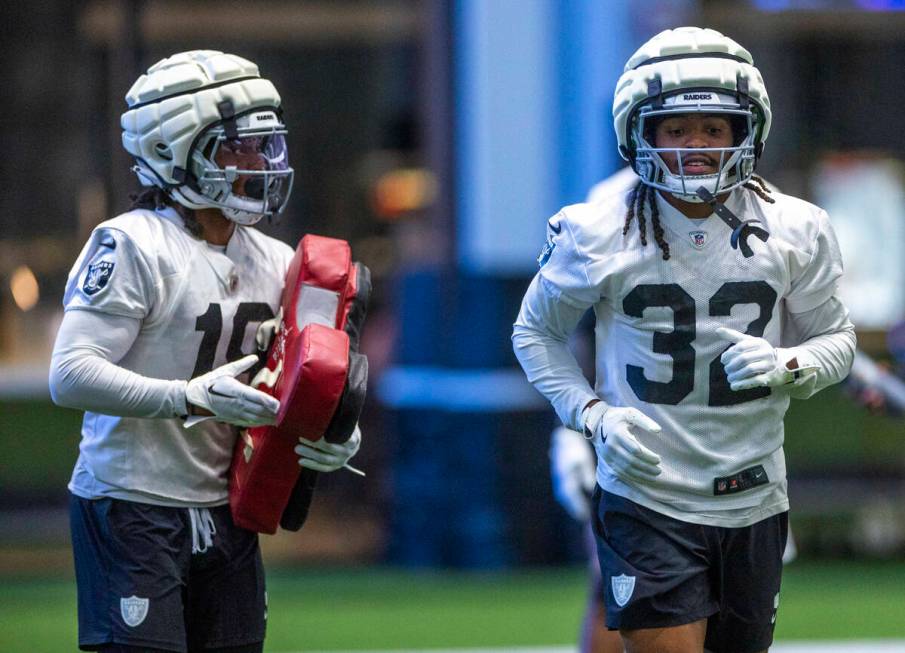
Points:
(161, 310)
(715, 303)
(572, 465)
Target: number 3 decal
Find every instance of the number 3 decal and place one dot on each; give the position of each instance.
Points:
(677, 343)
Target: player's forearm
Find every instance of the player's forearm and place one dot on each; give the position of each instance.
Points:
(829, 346)
(91, 383)
(540, 342)
(831, 353)
(84, 373)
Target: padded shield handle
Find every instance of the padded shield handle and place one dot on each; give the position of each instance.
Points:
(358, 306)
(296, 511)
(352, 401)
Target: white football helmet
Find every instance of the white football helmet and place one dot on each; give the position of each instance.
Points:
(691, 70)
(193, 106)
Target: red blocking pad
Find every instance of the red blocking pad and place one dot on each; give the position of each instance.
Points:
(307, 370)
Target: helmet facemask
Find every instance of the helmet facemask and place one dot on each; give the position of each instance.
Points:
(736, 163)
(241, 167)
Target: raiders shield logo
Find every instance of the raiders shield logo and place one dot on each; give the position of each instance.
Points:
(545, 253)
(134, 610)
(623, 586)
(97, 277)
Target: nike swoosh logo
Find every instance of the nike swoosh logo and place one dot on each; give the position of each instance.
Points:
(555, 228)
(220, 394)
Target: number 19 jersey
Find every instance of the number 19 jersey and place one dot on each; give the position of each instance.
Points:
(199, 307)
(658, 351)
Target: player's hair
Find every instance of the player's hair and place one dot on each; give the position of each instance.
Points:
(759, 187)
(156, 198)
(642, 194)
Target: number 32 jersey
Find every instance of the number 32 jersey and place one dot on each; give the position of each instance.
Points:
(199, 307)
(658, 350)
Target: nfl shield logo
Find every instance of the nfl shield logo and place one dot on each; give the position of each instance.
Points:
(698, 238)
(134, 610)
(623, 586)
(97, 277)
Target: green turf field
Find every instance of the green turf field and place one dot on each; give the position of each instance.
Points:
(386, 609)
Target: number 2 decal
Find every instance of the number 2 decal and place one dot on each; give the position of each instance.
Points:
(677, 343)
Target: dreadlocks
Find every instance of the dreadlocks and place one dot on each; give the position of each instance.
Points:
(759, 187)
(642, 194)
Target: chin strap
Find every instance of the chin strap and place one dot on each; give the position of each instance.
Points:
(740, 230)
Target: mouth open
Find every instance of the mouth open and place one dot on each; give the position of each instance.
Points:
(698, 164)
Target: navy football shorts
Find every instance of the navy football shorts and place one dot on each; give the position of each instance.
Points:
(139, 583)
(660, 572)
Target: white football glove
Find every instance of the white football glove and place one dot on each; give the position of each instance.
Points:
(752, 362)
(229, 399)
(572, 467)
(266, 330)
(609, 427)
(325, 456)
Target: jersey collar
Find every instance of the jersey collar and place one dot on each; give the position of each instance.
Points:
(698, 233)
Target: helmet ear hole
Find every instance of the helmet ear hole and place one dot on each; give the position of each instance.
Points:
(163, 151)
(650, 129)
(739, 129)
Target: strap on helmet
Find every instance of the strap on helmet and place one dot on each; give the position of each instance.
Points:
(228, 115)
(655, 93)
(741, 231)
(741, 91)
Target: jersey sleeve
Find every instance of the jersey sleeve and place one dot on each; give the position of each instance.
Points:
(540, 341)
(84, 374)
(111, 276)
(823, 337)
(815, 276)
(564, 265)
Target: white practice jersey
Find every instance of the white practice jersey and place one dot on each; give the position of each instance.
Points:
(657, 349)
(199, 307)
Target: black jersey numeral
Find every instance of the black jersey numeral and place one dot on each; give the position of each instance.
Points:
(731, 294)
(675, 343)
(678, 343)
(246, 313)
(210, 323)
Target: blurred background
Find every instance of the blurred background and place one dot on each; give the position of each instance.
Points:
(437, 137)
